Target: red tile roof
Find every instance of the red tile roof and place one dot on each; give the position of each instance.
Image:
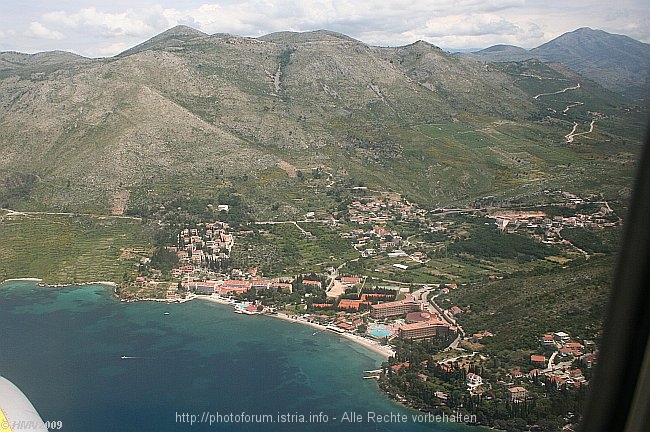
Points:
(352, 304)
(397, 367)
(537, 359)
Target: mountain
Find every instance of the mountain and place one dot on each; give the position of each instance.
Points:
(503, 53)
(319, 36)
(618, 63)
(22, 63)
(174, 37)
(189, 116)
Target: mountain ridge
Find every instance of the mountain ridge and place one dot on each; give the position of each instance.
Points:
(617, 62)
(179, 33)
(307, 36)
(190, 113)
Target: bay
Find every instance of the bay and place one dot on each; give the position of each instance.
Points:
(193, 366)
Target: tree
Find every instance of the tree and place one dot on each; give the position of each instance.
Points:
(164, 260)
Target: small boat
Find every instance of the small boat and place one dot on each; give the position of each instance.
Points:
(166, 313)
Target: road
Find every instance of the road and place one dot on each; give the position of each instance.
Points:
(453, 359)
(296, 222)
(432, 306)
(11, 212)
(335, 288)
(576, 87)
(570, 135)
(550, 361)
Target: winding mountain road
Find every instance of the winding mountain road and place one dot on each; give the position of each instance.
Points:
(569, 137)
(576, 87)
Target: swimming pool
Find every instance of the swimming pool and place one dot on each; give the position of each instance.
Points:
(380, 330)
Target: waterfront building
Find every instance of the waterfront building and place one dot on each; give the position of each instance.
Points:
(401, 307)
(422, 330)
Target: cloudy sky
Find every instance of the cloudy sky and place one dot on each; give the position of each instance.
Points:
(105, 28)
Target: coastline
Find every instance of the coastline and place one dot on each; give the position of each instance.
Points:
(383, 350)
(305, 367)
(39, 282)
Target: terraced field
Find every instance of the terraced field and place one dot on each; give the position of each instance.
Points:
(69, 249)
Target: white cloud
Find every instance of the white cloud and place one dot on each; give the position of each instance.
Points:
(446, 23)
(461, 31)
(128, 23)
(38, 30)
(385, 23)
(114, 48)
(7, 34)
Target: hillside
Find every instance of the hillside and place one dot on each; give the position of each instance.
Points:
(190, 115)
(618, 63)
(573, 299)
(502, 53)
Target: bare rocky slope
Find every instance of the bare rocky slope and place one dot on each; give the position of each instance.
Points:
(196, 112)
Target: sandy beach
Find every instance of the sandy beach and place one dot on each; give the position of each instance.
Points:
(383, 350)
(39, 282)
(108, 283)
(214, 299)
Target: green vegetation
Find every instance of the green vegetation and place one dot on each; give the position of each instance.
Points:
(283, 249)
(170, 141)
(71, 249)
(441, 139)
(516, 311)
(486, 242)
(300, 299)
(600, 242)
(445, 391)
(519, 309)
(164, 260)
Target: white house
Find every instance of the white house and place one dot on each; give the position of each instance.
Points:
(473, 380)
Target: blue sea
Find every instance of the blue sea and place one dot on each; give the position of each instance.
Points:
(200, 367)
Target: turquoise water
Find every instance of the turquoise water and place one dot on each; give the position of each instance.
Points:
(63, 347)
(379, 330)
